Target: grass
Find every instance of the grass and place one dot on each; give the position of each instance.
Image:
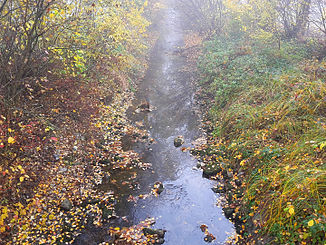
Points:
(269, 113)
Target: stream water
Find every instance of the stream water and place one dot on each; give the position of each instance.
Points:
(187, 200)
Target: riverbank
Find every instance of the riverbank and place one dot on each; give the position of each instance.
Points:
(264, 112)
(61, 134)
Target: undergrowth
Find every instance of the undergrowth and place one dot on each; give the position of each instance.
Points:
(267, 107)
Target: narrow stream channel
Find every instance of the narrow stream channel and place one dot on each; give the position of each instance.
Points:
(187, 200)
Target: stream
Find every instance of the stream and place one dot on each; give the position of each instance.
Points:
(187, 200)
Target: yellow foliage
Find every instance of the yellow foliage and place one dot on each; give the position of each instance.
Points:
(11, 140)
(311, 223)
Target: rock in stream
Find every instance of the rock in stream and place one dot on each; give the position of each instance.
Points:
(179, 141)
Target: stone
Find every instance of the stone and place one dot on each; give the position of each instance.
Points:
(144, 105)
(159, 187)
(179, 141)
(159, 232)
(159, 241)
(66, 205)
(209, 238)
(211, 169)
(228, 212)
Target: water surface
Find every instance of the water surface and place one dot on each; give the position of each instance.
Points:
(187, 200)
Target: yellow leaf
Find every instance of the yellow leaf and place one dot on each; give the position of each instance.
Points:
(2, 229)
(11, 140)
(22, 212)
(242, 163)
(322, 145)
(311, 223)
(5, 210)
(291, 210)
(21, 178)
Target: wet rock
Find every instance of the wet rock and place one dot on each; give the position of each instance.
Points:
(66, 205)
(211, 170)
(228, 212)
(93, 236)
(144, 105)
(158, 188)
(158, 232)
(179, 141)
(209, 238)
(159, 241)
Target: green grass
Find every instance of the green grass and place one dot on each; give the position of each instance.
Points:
(270, 115)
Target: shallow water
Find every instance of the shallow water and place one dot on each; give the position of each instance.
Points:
(187, 200)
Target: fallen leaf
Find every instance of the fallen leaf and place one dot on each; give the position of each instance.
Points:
(203, 228)
(11, 140)
(311, 223)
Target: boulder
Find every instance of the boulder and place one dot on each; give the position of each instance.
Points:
(159, 187)
(179, 141)
(158, 232)
(228, 212)
(144, 105)
(159, 241)
(66, 205)
(211, 169)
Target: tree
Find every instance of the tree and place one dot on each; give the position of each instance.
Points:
(70, 38)
(293, 16)
(22, 25)
(318, 15)
(206, 16)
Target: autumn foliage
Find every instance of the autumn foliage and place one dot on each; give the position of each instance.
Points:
(67, 72)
